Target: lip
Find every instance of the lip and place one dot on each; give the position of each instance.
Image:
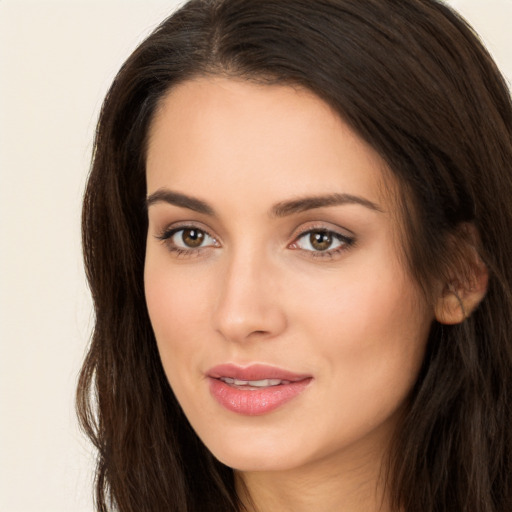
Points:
(254, 372)
(250, 401)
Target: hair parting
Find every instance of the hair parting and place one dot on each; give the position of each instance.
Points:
(412, 79)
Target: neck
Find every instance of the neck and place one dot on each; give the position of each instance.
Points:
(327, 485)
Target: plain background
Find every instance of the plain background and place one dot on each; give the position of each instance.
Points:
(57, 59)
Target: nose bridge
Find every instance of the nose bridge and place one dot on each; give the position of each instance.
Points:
(247, 303)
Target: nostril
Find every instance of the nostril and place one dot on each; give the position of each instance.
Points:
(244, 311)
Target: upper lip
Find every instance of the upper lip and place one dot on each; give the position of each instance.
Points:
(254, 372)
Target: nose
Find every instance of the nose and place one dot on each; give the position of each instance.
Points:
(249, 305)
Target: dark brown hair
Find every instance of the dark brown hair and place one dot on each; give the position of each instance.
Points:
(413, 80)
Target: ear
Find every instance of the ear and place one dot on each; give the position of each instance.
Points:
(467, 285)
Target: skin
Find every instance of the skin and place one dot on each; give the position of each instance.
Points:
(256, 290)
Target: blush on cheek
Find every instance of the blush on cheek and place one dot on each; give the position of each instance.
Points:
(174, 315)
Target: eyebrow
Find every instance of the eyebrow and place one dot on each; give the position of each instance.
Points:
(181, 200)
(302, 204)
(281, 209)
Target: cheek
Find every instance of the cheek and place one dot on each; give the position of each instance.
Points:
(370, 306)
(372, 333)
(176, 305)
(177, 302)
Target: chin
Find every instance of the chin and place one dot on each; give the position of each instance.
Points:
(248, 461)
(256, 452)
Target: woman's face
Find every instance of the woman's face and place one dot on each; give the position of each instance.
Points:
(289, 329)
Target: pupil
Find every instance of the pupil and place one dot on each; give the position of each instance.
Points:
(193, 237)
(320, 241)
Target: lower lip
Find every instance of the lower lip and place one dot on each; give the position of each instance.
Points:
(254, 402)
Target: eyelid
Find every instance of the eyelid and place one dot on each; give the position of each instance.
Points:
(172, 228)
(165, 236)
(344, 235)
(322, 226)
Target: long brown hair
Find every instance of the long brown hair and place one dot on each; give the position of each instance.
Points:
(413, 80)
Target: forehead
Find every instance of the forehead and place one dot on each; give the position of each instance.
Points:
(223, 136)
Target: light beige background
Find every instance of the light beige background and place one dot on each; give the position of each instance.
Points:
(57, 59)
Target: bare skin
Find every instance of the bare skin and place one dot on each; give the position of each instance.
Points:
(271, 242)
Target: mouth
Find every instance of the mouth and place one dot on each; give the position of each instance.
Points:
(254, 374)
(253, 384)
(255, 390)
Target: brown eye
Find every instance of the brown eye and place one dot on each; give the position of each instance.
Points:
(320, 240)
(192, 237)
(188, 238)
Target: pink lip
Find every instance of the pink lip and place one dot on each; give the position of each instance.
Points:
(252, 402)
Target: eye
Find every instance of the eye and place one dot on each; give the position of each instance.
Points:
(187, 239)
(322, 242)
(318, 241)
(190, 238)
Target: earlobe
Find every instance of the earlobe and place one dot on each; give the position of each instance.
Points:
(458, 300)
(449, 308)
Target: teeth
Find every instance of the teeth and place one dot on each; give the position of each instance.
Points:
(263, 383)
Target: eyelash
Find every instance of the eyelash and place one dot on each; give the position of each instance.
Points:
(181, 252)
(346, 242)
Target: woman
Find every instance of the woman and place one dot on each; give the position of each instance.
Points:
(297, 232)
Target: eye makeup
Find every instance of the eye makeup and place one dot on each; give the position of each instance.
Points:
(187, 240)
(321, 242)
(316, 241)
